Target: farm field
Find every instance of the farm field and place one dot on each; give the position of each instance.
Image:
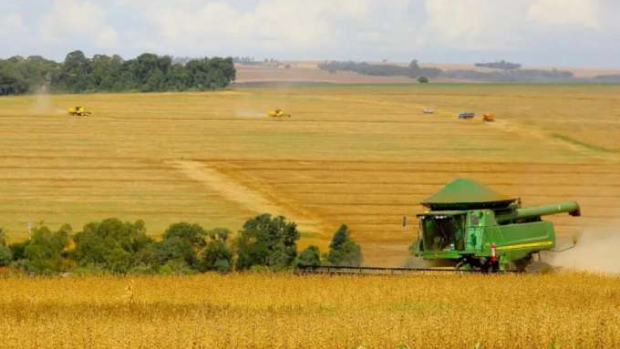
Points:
(286, 311)
(363, 155)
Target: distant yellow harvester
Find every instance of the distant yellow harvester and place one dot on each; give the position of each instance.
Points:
(78, 111)
(278, 114)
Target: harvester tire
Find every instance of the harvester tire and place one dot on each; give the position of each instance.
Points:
(538, 267)
(533, 264)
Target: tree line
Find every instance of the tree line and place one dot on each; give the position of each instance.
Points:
(413, 70)
(504, 65)
(509, 72)
(113, 246)
(146, 73)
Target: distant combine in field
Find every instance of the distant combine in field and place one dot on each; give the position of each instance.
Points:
(468, 115)
(488, 117)
(278, 114)
(78, 111)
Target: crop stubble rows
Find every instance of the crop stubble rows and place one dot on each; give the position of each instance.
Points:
(357, 155)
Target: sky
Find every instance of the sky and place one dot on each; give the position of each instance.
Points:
(562, 33)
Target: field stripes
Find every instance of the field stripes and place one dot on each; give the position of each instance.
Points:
(360, 155)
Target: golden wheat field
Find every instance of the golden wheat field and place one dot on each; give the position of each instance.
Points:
(363, 155)
(286, 311)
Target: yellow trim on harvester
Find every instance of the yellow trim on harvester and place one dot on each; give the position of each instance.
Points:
(531, 244)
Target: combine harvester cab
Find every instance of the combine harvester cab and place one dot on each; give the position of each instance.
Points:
(478, 229)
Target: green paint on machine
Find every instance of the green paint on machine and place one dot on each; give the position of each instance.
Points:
(477, 228)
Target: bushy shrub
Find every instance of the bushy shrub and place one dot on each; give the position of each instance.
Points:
(175, 249)
(45, 250)
(193, 234)
(343, 251)
(310, 257)
(181, 243)
(18, 250)
(176, 267)
(111, 244)
(5, 256)
(217, 256)
(2, 237)
(267, 241)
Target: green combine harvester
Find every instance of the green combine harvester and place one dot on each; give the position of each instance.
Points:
(475, 228)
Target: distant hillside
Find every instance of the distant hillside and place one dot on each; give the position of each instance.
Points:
(502, 72)
(499, 65)
(273, 71)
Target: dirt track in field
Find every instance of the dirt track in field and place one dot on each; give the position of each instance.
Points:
(244, 194)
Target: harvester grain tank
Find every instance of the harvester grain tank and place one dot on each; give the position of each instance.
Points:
(479, 229)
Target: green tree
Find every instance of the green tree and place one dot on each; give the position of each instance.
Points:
(182, 242)
(73, 76)
(106, 71)
(178, 78)
(3, 237)
(423, 80)
(343, 250)
(5, 256)
(45, 250)
(148, 73)
(217, 256)
(267, 241)
(177, 250)
(310, 257)
(194, 234)
(5, 253)
(219, 234)
(18, 250)
(10, 84)
(38, 71)
(111, 244)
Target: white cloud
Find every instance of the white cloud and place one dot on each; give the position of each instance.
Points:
(69, 19)
(275, 25)
(107, 37)
(473, 24)
(580, 13)
(12, 24)
(541, 31)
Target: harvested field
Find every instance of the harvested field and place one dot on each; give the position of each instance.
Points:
(362, 155)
